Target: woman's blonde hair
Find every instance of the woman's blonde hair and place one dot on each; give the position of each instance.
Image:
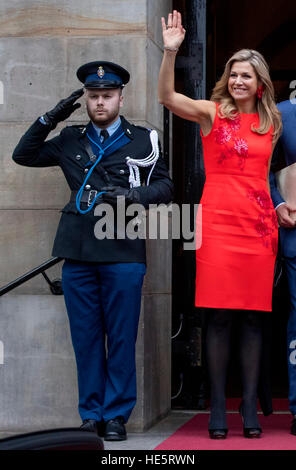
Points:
(266, 107)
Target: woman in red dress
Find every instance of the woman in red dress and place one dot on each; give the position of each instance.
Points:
(235, 263)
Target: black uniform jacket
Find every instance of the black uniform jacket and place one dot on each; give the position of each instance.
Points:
(75, 238)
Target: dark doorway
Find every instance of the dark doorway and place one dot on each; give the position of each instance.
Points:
(230, 26)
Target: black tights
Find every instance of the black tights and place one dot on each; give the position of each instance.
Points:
(218, 350)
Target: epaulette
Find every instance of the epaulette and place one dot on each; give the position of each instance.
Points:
(79, 127)
(143, 128)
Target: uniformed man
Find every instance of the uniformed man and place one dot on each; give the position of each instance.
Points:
(108, 159)
(283, 195)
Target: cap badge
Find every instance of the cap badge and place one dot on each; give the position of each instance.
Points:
(101, 72)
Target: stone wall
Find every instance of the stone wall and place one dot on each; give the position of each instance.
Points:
(42, 44)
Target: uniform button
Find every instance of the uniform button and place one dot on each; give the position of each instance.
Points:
(78, 157)
(121, 172)
(87, 187)
(86, 170)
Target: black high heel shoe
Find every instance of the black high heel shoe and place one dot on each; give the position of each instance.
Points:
(249, 433)
(218, 433)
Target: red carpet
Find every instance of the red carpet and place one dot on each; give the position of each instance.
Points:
(279, 404)
(194, 434)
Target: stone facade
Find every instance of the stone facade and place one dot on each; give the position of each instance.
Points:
(42, 44)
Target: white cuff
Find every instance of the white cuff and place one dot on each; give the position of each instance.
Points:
(279, 205)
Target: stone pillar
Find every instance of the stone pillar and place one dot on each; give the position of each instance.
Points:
(42, 44)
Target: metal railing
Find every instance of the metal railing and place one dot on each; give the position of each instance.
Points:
(55, 285)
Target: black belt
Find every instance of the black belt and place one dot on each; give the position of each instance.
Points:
(87, 196)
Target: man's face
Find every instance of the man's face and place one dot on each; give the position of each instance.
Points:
(103, 105)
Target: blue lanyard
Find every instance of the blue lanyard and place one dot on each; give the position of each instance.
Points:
(80, 192)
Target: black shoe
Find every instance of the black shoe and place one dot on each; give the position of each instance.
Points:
(92, 425)
(252, 433)
(115, 430)
(218, 433)
(293, 426)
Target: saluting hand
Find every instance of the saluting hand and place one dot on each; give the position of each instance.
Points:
(173, 33)
(63, 109)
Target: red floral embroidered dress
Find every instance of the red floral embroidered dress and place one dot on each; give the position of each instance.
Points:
(235, 263)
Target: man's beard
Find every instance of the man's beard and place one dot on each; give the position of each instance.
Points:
(104, 120)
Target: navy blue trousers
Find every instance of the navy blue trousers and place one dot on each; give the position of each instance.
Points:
(103, 303)
(290, 264)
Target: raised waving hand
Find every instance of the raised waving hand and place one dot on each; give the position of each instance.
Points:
(173, 33)
(200, 111)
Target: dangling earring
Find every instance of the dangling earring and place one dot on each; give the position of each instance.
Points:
(259, 92)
